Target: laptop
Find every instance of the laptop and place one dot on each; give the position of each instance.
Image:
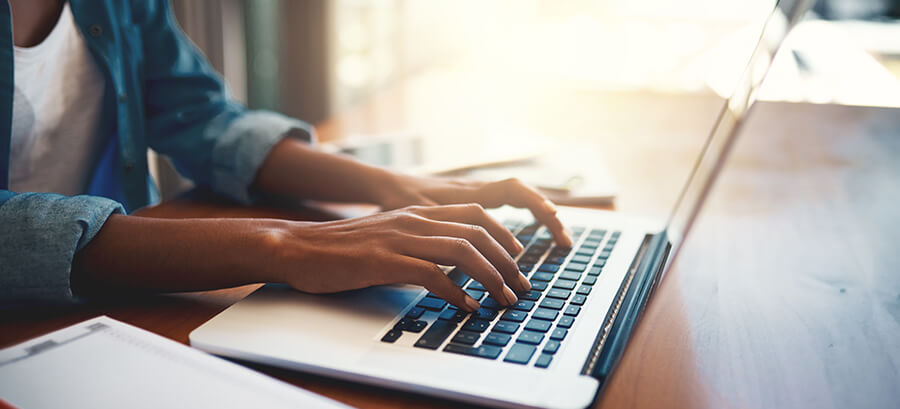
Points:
(554, 348)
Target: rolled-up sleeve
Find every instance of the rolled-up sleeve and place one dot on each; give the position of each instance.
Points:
(190, 116)
(40, 235)
(243, 145)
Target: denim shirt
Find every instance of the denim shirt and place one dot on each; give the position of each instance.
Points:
(161, 93)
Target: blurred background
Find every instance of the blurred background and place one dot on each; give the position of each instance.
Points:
(510, 68)
(311, 58)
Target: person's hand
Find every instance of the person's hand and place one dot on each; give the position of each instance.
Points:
(430, 191)
(399, 246)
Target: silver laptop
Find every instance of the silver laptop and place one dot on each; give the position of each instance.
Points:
(554, 348)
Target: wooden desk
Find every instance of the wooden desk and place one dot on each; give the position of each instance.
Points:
(786, 294)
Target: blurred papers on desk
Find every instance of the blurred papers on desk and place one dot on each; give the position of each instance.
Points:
(104, 363)
(568, 176)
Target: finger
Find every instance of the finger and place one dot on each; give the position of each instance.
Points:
(516, 193)
(431, 277)
(408, 200)
(486, 245)
(456, 251)
(473, 213)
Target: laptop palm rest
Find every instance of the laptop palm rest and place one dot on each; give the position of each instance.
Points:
(282, 318)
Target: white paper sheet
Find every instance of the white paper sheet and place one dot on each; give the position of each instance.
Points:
(104, 363)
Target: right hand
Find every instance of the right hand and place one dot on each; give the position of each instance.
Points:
(400, 246)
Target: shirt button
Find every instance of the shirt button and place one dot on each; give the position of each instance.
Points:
(95, 30)
(129, 166)
(122, 97)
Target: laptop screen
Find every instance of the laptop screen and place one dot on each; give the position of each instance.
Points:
(714, 151)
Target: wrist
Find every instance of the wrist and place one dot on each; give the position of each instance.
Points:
(386, 185)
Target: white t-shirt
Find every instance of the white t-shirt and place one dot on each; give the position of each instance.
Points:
(56, 112)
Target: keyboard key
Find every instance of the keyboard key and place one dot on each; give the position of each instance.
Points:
(434, 304)
(523, 305)
(609, 247)
(585, 289)
(595, 271)
(435, 335)
(392, 336)
(590, 245)
(549, 267)
(545, 314)
(519, 353)
(555, 259)
(506, 327)
(474, 325)
(486, 314)
(557, 293)
(570, 275)
(538, 325)
(551, 346)
(484, 351)
(566, 321)
(402, 323)
(579, 299)
(581, 259)
(560, 251)
(589, 280)
(576, 266)
(475, 285)
(453, 315)
(585, 251)
(552, 303)
(530, 337)
(526, 267)
(514, 315)
(559, 334)
(565, 284)
(600, 263)
(491, 303)
(410, 325)
(603, 255)
(538, 285)
(530, 295)
(476, 294)
(466, 337)
(497, 338)
(415, 312)
(458, 277)
(572, 310)
(543, 361)
(542, 276)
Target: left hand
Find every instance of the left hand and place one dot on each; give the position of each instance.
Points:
(432, 191)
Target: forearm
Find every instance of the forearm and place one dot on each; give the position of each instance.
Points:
(161, 255)
(295, 169)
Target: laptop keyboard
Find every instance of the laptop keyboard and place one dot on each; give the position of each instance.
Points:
(532, 330)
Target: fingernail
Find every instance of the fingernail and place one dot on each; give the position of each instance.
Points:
(472, 304)
(510, 295)
(526, 285)
(568, 237)
(519, 246)
(549, 206)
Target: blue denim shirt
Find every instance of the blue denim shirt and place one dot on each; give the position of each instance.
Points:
(161, 93)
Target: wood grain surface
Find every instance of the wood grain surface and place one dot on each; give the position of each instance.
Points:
(787, 293)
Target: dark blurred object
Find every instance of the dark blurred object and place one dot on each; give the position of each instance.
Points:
(857, 9)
